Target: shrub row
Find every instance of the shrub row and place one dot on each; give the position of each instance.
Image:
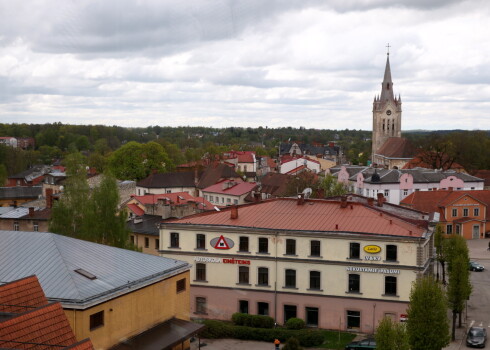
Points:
(219, 329)
(257, 321)
(295, 323)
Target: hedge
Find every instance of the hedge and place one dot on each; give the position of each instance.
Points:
(295, 323)
(256, 321)
(219, 329)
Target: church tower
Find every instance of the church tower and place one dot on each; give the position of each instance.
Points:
(387, 112)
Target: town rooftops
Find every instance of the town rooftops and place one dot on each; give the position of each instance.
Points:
(148, 225)
(20, 192)
(164, 180)
(232, 188)
(313, 215)
(21, 295)
(215, 173)
(65, 267)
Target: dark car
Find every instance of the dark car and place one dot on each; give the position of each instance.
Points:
(369, 343)
(477, 337)
(474, 266)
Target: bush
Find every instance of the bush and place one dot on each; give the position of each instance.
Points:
(292, 344)
(217, 329)
(295, 323)
(310, 339)
(257, 321)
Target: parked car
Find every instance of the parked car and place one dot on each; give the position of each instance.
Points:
(474, 266)
(369, 343)
(477, 337)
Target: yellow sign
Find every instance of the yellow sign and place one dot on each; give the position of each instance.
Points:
(372, 249)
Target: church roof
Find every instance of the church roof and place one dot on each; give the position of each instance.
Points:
(397, 147)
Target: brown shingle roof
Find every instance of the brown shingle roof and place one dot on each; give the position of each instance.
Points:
(483, 174)
(21, 295)
(397, 147)
(177, 179)
(275, 184)
(215, 173)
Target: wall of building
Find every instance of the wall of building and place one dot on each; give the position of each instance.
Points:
(24, 225)
(141, 191)
(471, 226)
(148, 244)
(133, 313)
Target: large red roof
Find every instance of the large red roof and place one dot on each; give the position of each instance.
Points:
(236, 189)
(21, 295)
(313, 215)
(174, 198)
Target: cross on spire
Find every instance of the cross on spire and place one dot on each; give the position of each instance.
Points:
(388, 46)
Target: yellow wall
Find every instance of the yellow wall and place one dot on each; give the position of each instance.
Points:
(133, 313)
(139, 241)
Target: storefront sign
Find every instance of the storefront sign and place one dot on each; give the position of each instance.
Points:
(403, 318)
(372, 258)
(372, 270)
(221, 260)
(372, 249)
(222, 242)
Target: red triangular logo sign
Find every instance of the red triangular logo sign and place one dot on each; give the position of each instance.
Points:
(221, 244)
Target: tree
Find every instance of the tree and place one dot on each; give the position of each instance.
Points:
(331, 187)
(459, 288)
(427, 325)
(391, 335)
(440, 252)
(297, 183)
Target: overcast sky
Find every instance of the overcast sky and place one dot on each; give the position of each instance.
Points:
(222, 63)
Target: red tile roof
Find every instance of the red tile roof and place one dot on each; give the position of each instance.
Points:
(85, 344)
(175, 198)
(236, 189)
(313, 215)
(397, 147)
(135, 209)
(21, 295)
(45, 325)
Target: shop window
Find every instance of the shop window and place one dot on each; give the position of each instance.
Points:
(354, 283)
(181, 285)
(174, 240)
(201, 272)
(290, 278)
(354, 250)
(290, 247)
(263, 308)
(315, 248)
(289, 312)
(263, 276)
(391, 252)
(200, 241)
(243, 274)
(243, 306)
(263, 245)
(311, 316)
(390, 285)
(201, 305)
(147, 242)
(96, 320)
(315, 280)
(243, 245)
(353, 319)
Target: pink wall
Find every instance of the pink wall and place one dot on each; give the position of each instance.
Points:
(406, 182)
(451, 181)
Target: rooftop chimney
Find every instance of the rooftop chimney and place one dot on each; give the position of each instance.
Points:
(31, 211)
(381, 199)
(257, 196)
(370, 201)
(301, 199)
(49, 197)
(343, 201)
(234, 212)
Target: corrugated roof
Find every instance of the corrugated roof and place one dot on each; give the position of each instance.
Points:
(54, 259)
(314, 215)
(20, 192)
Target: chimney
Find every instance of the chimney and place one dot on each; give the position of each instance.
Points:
(49, 198)
(31, 211)
(381, 199)
(234, 212)
(257, 196)
(343, 201)
(301, 199)
(370, 201)
(196, 176)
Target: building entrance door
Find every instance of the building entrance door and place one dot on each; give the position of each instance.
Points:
(476, 231)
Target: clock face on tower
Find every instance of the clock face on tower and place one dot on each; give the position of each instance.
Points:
(388, 112)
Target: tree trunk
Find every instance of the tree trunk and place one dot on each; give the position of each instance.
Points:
(453, 333)
(460, 323)
(443, 273)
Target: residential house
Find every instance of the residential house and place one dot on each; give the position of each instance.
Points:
(293, 166)
(298, 149)
(26, 219)
(16, 196)
(228, 192)
(244, 162)
(215, 173)
(274, 185)
(116, 297)
(158, 183)
(30, 177)
(8, 141)
(463, 213)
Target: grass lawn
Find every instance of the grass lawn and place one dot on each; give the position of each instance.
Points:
(332, 340)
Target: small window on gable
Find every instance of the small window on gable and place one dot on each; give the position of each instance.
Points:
(181, 285)
(96, 320)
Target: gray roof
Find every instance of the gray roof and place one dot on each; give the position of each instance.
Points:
(54, 259)
(20, 192)
(15, 213)
(4, 210)
(148, 225)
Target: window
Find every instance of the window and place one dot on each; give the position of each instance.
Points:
(449, 229)
(235, 201)
(201, 307)
(390, 285)
(96, 320)
(290, 278)
(211, 199)
(168, 191)
(391, 252)
(243, 274)
(354, 283)
(290, 247)
(387, 193)
(16, 226)
(205, 197)
(354, 251)
(311, 316)
(457, 227)
(228, 201)
(200, 272)
(200, 241)
(405, 192)
(222, 200)
(181, 285)
(314, 248)
(157, 243)
(455, 212)
(243, 245)
(315, 280)
(243, 306)
(476, 212)
(174, 240)
(35, 226)
(263, 245)
(132, 239)
(263, 308)
(353, 319)
(263, 276)
(147, 242)
(289, 312)
(465, 211)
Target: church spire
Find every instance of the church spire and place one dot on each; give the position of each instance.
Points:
(387, 84)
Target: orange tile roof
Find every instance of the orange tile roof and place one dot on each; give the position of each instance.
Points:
(313, 215)
(237, 189)
(21, 295)
(85, 344)
(135, 209)
(45, 325)
(176, 198)
(397, 147)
